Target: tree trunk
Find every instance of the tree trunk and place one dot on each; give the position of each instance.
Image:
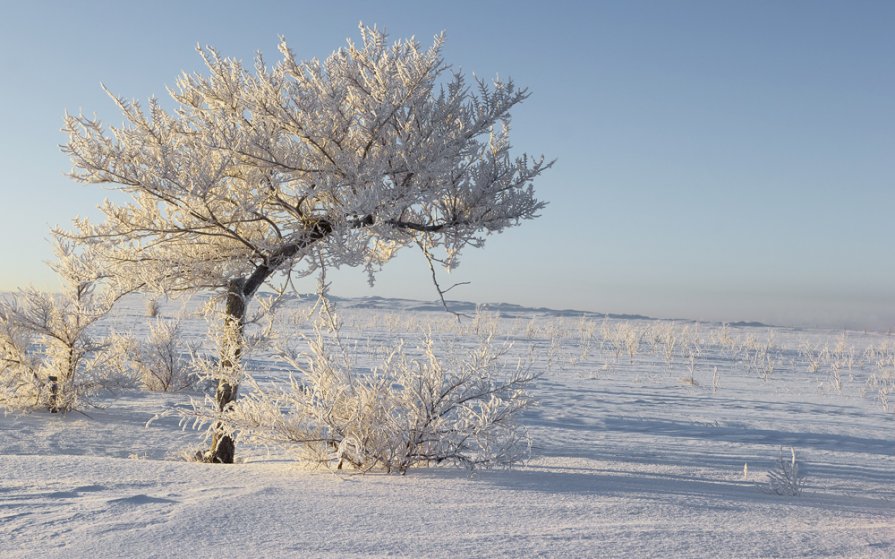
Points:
(222, 447)
(239, 291)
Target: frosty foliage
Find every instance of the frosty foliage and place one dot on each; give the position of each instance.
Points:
(163, 362)
(302, 164)
(786, 478)
(408, 411)
(152, 307)
(48, 357)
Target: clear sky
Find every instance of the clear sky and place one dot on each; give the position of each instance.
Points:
(716, 160)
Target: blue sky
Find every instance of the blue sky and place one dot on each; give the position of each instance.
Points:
(715, 160)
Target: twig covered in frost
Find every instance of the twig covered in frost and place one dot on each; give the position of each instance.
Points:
(162, 363)
(408, 411)
(786, 478)
(47, 356)
(152, 307)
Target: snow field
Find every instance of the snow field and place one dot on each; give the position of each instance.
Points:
(640, 438)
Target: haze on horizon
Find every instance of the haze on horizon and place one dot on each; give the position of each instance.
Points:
(715, 161)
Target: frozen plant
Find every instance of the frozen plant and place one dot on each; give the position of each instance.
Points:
(277, 170)
(722, 337)
(407, 412)
(786, 478)
(842, 358)
(587, 329)
(669, 343)
(23, 384)
(761, 358)
(632, 337)
(693, 352)
(815, 357)
(836, 376)
(883, 381)
(48, 358)
(532, 329)
(152, 307)
(768, 365)
(616, 338)
(484, 323)
(162, 362)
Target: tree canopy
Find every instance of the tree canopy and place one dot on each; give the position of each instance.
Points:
(304, 164)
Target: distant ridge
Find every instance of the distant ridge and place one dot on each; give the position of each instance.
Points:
(753, 324)
(505, 310)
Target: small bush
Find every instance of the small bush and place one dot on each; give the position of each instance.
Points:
(786, 478)
(407, 412)
(152, 307)
(162, 363)
(48, 359)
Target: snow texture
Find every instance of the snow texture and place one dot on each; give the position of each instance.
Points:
(641, 439)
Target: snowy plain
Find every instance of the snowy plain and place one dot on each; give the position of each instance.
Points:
(651, 438)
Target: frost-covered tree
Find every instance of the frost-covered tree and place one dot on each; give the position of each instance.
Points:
(48, 356)
(300, 165)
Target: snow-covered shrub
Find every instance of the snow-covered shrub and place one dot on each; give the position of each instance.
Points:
(692, 352)
(152, 307)
(883, 383)
(786, 478)
(408, 411)
(21, 379)
(587, 330)
(48, 359)
(162, 362)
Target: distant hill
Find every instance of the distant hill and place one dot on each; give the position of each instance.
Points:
(505, 310)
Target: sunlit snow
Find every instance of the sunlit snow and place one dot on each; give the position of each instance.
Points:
(651, 439)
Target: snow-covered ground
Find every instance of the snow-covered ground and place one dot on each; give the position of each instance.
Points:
(651, 439)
